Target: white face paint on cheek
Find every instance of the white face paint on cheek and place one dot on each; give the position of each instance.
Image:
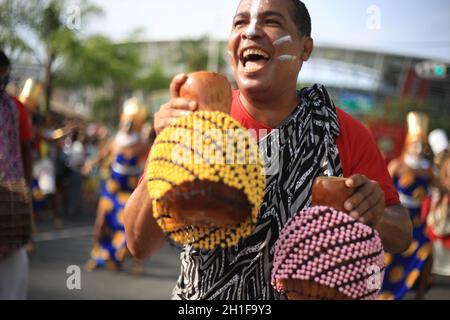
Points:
(287, 57)
(251, 31)
(285, 39)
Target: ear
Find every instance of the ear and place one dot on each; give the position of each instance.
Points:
(308, 47)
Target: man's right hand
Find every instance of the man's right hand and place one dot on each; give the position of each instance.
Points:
(177, 107)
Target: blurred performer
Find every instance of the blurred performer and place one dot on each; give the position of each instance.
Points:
(75, 153)
(44, 180)
(45, 140)
(412, 174)
(110, 249)
(91, 185)
(15, 178)
(45, 173)
(43, 185)
(435, 210)
(439, 145)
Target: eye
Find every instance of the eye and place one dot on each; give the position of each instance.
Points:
(239, 23)
(272, 22)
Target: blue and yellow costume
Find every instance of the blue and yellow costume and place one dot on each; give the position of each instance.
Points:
(403, 270)
(111, 250)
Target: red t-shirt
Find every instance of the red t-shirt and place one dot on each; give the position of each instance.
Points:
(24, 121)
(358, 151)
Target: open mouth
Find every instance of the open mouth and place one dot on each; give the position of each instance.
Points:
(254, 59)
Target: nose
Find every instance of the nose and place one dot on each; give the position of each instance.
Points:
(253, 31)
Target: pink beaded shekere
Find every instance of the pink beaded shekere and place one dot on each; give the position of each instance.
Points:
(330, 248)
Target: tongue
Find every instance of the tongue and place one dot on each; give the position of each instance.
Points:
(255, 64)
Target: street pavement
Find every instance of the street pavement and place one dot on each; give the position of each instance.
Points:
(56, 250)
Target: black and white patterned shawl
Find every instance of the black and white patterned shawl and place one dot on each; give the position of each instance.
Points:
(301, 149)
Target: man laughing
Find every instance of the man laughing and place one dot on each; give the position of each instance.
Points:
(269, 42)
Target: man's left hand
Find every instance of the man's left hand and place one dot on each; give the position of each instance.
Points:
(367, 203)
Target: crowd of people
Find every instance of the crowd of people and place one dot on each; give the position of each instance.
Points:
(66, 168)
(73, 161)
(60, 150)
(419, 178)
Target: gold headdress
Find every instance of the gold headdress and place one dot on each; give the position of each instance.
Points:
(133, 115)
(30, 94)
(417, 127)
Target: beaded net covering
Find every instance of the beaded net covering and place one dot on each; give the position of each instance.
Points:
(201, 150)
(331, 249)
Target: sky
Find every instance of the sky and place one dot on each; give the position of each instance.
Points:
(416, 28)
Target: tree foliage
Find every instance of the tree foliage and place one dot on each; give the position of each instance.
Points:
(156, 79)
(194, 54)
(47, 22)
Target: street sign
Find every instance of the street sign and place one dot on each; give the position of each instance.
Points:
(432, 70)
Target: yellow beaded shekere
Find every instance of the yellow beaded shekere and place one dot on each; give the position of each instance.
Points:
(205, 146)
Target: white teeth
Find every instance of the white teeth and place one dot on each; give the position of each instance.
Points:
(248, 52)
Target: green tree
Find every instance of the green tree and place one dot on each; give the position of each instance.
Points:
(156, 79)
(48, 21)
(12, 15)
(101, 63)
(193, 54)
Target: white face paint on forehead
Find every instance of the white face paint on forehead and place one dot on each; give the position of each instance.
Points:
(254, 11)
